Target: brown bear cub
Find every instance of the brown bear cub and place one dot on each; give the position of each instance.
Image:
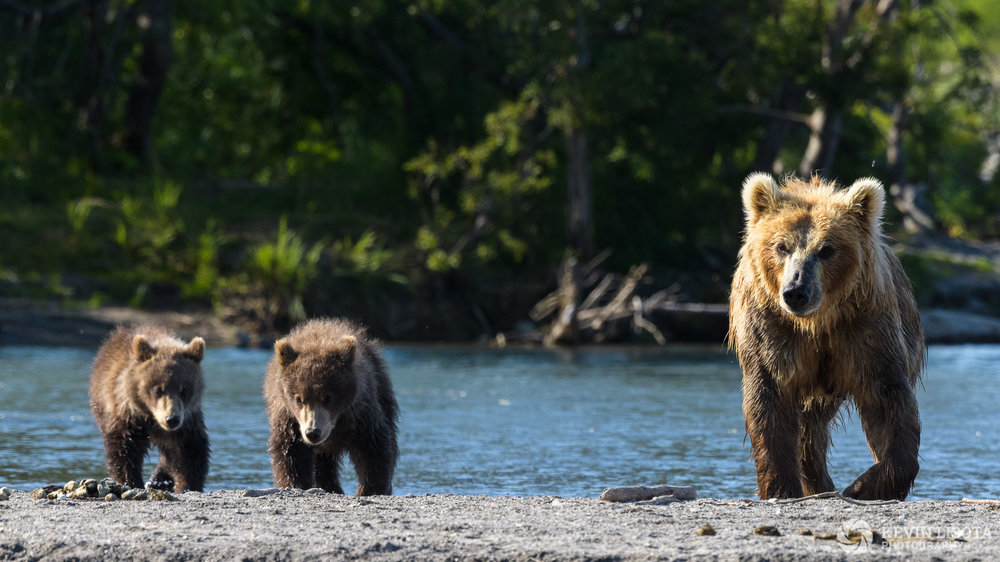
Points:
(328, 392)
(146, 386)
(822, 312)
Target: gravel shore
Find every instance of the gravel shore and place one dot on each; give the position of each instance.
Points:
(295, 525)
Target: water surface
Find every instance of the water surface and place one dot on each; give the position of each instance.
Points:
(518, 422)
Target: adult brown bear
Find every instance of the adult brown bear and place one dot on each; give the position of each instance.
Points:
(822, 312)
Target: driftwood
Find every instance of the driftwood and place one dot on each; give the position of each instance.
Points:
(649, 493)
(988, 502)
(592, 306)
(834, 494)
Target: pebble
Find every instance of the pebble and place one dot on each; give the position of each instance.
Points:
(659, 500)
(259, 493)
(767, 531)
(90, 488)
(135, 494)
(4, 494)
(705, 530)
(161, 495)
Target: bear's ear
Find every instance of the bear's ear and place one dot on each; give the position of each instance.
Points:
(761, 195)
(349, 343)
(286, 354)
(195, 350)
(865, 200)
(142, 349)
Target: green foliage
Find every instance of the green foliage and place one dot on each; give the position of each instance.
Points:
(283, 268)
(367, 259)
(475, 195)
(147, 227)
(428, 139)
(207, 280)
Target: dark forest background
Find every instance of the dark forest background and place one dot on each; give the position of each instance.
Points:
(431, 167)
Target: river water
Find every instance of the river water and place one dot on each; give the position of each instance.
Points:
(518, 422)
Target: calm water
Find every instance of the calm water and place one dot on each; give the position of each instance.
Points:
(528, 422)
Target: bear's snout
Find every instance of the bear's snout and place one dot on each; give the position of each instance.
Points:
(796, 297)
(315, 424)
(169, 414)
(801, 293)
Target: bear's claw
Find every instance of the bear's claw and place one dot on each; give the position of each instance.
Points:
(160, 485)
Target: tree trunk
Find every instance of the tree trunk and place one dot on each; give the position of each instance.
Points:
(563, 329)
(580, 239)
(826, 124)
(150, 79)
(842, 67)
(906, 197)
(787, 98)
(94, 16)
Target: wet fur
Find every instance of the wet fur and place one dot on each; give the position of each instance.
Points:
(130, 364)
(335, 369)
(864, 343)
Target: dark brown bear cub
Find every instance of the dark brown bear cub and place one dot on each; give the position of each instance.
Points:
(822, 313)
(146, 386)
(328, 392)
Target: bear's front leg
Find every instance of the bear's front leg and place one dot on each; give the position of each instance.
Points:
(125, 447)
(816, 418)
(184, 457)
(773, 426)
(375, 462)
(327, 466)
(291, 459)
(891, 422)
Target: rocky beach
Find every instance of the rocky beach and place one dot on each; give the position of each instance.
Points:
(297, 525)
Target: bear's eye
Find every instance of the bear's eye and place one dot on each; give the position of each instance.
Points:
(327, 398)
(158, 391)
(298, 400)
(184, 393)
(782, 249)
(826, 252)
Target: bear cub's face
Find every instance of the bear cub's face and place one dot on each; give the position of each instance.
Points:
(170, 381)
(808, 239)
(319, 385)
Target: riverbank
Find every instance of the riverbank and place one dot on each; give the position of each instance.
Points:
(287, 525)
(25, 322)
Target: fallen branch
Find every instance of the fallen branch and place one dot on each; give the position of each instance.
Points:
(590, 306)
(838, 495)
(989, 502)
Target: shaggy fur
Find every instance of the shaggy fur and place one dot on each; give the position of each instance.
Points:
(822, 312)
(328, 392)
(146, 386)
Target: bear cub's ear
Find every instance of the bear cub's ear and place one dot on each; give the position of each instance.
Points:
(286, 354)
(195, 350)
(865, 200)
(142, 349)
(761, 195)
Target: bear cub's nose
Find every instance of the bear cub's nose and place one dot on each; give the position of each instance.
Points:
(173, 422)
(796, 297)
(312, 435)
